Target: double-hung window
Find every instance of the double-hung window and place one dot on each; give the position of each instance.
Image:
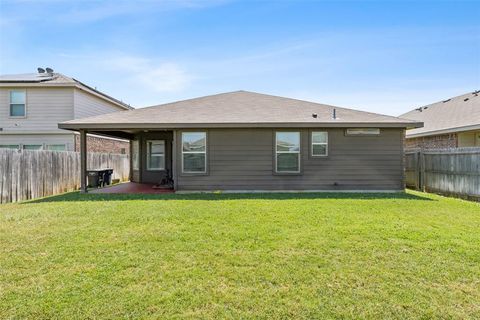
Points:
(287, 152)
(194, 152)
(155, 155)
(319, 144)
(18, 103)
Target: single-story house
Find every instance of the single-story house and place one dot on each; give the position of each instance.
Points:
(451, 123)
(247, 141)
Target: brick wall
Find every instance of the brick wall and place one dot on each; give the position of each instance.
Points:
(97, 144)
(432, 142)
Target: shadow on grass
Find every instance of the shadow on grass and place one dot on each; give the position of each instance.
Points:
(77, 196)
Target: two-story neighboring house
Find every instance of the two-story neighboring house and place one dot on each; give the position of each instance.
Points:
(32, 105)
(451, 123)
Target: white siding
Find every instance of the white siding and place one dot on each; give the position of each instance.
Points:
(87, 105)
(46, 107)
(26, 139)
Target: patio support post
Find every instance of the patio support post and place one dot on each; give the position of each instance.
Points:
(83, 161)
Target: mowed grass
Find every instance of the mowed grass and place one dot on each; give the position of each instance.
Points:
(258, 256)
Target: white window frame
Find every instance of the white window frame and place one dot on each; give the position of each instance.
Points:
(155, 154)
(299, 152)
(10, 104)
(320, 144)
(194, 152)
(362, 131)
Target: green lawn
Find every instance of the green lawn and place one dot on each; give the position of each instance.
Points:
(262, 256)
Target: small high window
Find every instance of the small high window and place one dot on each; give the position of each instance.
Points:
(194, 152)
(17, 103)
(155, 155)
(56, 147)
(363, 131)
(287, 152)
(319, 144)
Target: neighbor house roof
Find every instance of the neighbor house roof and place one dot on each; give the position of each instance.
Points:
(238, 109)
(54, 80)
(461, 113)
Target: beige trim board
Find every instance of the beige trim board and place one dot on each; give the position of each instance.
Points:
(443, 131)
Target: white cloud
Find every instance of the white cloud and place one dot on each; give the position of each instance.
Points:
(160, 77)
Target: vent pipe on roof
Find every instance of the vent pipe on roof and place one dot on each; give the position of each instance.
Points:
(334, 116)
(314, 115)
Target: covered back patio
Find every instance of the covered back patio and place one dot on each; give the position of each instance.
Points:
(152, 158)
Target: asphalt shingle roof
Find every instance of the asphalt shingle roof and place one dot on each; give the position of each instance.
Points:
(56, 79)
(238, 109)
(455, 114)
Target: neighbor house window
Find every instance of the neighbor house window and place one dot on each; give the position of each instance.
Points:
(319, 143)
(363, 131)
(155, 155)
(56, 147)
(17, 103)
(135, 154)
(9, 146)
(287, 154)
(32, 147)
(194, 152)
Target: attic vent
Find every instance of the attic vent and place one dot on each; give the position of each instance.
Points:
(476, 92)
(419, 109)
(425, 108)
(466, 99)
(446, 100)
(41, 70)
(334, 116)
(314, 115)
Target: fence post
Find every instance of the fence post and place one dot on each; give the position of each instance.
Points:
(422, 170)
(83, 161)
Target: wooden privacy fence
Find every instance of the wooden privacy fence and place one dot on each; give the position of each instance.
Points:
(26, 174)
(446, 171)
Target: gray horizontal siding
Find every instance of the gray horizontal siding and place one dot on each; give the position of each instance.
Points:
(243, 159)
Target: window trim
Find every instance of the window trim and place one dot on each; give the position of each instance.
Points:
(347, 133)
(193, 152)
(149, 154)
(10, 104)
(299, 152)
(318, 143)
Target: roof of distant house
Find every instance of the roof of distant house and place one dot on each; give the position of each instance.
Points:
(239, 109)
(54, 79)
(456, 114)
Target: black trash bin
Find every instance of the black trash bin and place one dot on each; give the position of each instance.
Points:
(95, 178)
(107, 178)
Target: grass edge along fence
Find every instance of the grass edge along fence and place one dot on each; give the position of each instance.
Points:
(451, 172)
(28, 174)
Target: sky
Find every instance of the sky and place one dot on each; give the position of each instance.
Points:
(380, 56)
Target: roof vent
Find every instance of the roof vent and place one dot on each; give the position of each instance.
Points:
(334, 116)
(49, 70)
(419, 109)
(476, 92)
(314, 115)
(446, 100)
(41, 70)
(466, 99)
